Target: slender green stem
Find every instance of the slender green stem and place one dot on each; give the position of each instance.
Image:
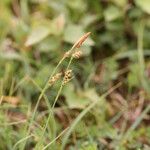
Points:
(20, 141)
(71, 59)
(141, 56)
(56, 98)
(61, 87)
(55, 139)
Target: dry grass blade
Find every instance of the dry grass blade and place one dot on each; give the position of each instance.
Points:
(10, 99)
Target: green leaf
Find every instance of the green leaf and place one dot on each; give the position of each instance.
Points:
(112, 13)
(89, 19)
(133, 78)
(74, 99)
(144, 5)
(49, 44)
(88, 146)
(121, 3)
(37, 34)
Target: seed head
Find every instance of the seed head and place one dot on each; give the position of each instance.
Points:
(81, 40)
(68, 76)
(67, 54)
(77, 54)
(55, 78)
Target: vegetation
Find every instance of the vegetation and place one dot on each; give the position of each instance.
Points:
(74, 74)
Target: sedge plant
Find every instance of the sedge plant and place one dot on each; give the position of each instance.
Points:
(72, 53)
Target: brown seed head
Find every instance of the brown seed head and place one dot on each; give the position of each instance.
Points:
(77, 54)
(55, 78)
(68, 76)
(81, 40)
(67, 54)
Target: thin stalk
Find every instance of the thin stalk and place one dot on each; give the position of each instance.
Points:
(61, 87)
(20, 141)
(58, 94)
(55, 139)
(56, 98)
(141, 56)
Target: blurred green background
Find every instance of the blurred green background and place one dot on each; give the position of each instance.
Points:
(35, 34)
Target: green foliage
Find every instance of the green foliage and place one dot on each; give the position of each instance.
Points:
(34, 36)
(144, 5)
(37, 35)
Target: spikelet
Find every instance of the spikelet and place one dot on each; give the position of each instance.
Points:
(77, 44)
(77, 54)
(67, 76)
(54, 78)
(67, 54)
(81, 40)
